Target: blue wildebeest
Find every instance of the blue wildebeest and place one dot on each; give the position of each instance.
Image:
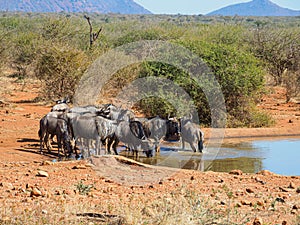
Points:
(118, 114)
(91, 109)
(55, 124)
(191, 133)
(132, 135)
(91, 127)
(43, 129)
(61, 106)
(83, 128)
(106, 129)
(157, 128)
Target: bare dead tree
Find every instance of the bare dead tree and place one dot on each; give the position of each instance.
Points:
(93, 36)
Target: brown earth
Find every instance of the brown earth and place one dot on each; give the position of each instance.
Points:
(114, 190)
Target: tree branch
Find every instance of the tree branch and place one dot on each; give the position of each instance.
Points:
(93, 36)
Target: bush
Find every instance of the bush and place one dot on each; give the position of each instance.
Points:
(239, 74)
(140, 35)
(60, 68)
(83, 189)
(170, 102)
(279, 49)
(250, 116)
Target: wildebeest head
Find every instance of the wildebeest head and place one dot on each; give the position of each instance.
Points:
(138, 131)
(65, 100)
(136, 128)
(148, 148)
(173, 131)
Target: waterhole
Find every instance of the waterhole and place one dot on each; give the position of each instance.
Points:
(281, 156)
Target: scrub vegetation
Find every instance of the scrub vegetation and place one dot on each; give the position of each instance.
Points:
(244, 53)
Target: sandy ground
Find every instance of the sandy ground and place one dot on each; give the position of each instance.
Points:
(264, 198)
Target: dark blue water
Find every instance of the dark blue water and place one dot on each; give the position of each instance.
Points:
(279, 156)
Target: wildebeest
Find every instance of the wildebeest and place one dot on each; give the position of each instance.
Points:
(61, 105)
(132, 135)
(91, 127)
(106, 129)
(43, 129)
(87, 109)
(158, 128)
(191, 133)
(84, 127)
(52, 124)
(118, 114)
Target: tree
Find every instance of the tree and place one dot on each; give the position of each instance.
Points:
(60, 68)
(279, 49)
(93, 36)
(238, 72)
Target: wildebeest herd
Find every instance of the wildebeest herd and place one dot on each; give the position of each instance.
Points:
(83, 130)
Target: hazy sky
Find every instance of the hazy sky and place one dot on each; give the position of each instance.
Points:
(201, 6)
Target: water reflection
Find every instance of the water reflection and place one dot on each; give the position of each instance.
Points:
(247, 165)
(278, 156)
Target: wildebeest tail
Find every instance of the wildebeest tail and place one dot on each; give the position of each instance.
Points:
(200, 142)
(40, 133)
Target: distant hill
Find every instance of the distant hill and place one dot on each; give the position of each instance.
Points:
(255, 8)
(100, 6)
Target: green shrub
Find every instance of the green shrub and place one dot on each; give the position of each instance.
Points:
(60, 69)
(164, 105)
(83, 188)
(239, 74)
(250, 116)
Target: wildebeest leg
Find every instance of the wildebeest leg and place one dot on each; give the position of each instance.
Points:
(59, 146)
(78, 146)
(47, 142)
(115, 145)
(85, 148)
(109, 145)
(51, 140)
(136, 153)
(112, 142)
(148, 153)
(193, 147)
(106, 145)
(200, 146)
(104, 142)
(98, 146)
(156, 145)
(183, 145)
(74, 148)
(41, 135)
(67, 145)
(41, 145)
(90, 145)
